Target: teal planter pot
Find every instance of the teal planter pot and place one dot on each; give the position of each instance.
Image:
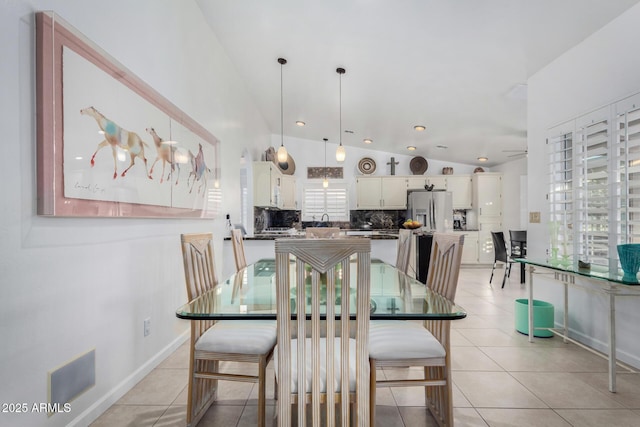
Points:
(629, 255)
(542, 317)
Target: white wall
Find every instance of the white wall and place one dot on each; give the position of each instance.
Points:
(70, 285)
(598, 71)
(512, 203)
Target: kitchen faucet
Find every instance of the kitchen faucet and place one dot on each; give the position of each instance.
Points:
(322, 217)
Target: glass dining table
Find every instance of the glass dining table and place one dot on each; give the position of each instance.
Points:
(250, 294)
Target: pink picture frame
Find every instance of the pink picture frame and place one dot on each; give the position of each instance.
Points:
(108, 144)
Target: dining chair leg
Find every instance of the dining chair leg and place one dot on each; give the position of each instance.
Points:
(506, 272)
(372, 392)
(492, 269)
(262, 393)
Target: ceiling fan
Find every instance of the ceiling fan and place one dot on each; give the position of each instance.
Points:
(517, 153)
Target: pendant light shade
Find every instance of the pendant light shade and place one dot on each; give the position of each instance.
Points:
(340, 152)
(282, 152)
(325, 181)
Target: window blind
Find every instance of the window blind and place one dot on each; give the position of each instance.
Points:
(333, 201)
(592, 206)
(560, 149)
(628, 174)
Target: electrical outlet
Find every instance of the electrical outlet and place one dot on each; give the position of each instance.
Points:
(147, 326)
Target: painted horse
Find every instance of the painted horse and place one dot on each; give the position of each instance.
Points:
(115, 136)
(199, 169)
(165, 152)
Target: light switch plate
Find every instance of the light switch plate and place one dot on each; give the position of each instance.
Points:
(534, 217)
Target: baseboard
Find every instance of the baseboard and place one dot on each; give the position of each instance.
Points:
(623, 356)
(101, 405)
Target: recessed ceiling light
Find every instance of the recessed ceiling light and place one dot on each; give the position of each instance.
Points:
(367, 141)
(300, 123)
(483, 159)
(411, 148)
(442, 147)
(419, 128)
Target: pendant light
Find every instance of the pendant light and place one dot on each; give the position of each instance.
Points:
(340, 153)
(282, 152)
(325, 181)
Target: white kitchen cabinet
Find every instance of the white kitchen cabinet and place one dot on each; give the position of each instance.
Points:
(461, 191)
(288, 192)
(389, 192)
(416, 182)
(266, 185)
(487, 195)
(439, 182)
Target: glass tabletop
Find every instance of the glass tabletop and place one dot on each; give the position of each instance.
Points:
(594, 271)
(251, 294)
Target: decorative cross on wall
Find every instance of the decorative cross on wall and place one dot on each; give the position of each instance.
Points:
(393, 164)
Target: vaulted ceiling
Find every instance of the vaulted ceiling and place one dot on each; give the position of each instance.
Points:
(457, 67)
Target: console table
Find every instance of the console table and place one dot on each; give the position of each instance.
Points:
(597, 280)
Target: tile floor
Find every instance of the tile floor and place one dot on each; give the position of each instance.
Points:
(500, 379)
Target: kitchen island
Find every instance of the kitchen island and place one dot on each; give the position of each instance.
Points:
(259, 246)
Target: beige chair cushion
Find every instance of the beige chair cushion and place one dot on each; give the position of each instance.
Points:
(323, 364)
(397, 339)
(239, 336)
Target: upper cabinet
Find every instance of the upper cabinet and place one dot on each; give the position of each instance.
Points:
(416, 182)
(460, 187)
(375, 192)
(288, 192)
(487, 195)
(439, 182)
(267, 181)
(390, 192)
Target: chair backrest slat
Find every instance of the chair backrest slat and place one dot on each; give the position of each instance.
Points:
(444, 268)
(238, 249)
(404, 249)
(199, 272)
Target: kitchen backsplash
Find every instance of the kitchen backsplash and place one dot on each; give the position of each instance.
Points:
(377, 220)
(359, 219)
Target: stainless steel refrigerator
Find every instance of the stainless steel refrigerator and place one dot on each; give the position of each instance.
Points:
(434, 209)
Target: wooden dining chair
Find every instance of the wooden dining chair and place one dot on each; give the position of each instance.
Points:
(404, 250)
(214, 342)
(322, 232)
(238, 249)
(402, 344)
(317, 359)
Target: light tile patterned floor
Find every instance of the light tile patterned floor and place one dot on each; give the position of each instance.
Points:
(500, 379)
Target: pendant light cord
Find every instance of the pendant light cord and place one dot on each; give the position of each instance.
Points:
(340, 109)
(281, 109)
(325, 158)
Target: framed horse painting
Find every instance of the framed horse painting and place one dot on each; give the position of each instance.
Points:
(108, 144)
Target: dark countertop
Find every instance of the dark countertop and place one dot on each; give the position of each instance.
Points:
(378, 235)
